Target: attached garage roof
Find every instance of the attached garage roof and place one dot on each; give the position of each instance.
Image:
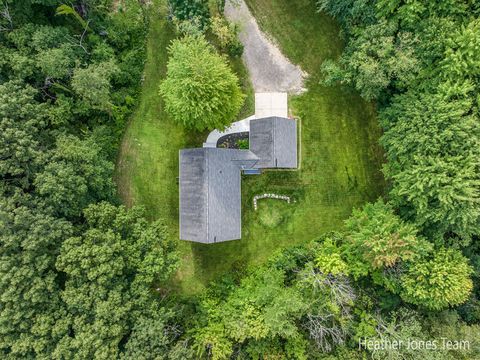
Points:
(274, 141)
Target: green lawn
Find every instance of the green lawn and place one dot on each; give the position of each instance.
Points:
(340, 159)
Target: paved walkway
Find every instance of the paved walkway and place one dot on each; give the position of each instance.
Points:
(266, 104)
(270, 70)
(236, 127)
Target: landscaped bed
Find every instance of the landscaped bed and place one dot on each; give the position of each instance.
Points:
(234, 141)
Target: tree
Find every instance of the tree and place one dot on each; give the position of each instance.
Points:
(328, 257)
(200, 90)
(405, 327)
(259, 311)
(438, 281)
(56, 63)
(154, 338)
(76, 175)
(227, 35)
(461, 56)
(109, 272)
(92, 84)
(374, 60)
(330, 298)
(32, 317)
(377, 239)
(432, 140)
(23, 124)
(196, 10)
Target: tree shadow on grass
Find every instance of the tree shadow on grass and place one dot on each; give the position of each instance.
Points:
(213, 260)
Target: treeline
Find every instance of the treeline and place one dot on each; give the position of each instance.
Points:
(420, 61)
(76, 269)
(82, 277)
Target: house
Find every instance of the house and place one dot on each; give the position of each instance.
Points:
(210, 179)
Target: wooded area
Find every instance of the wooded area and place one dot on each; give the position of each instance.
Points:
(84, 277)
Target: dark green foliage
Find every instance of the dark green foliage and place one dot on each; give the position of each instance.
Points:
(77, 173)
(154, 338)
(420, 59)
(433, 146)
(193, 10)
(375, 60)
(109, 270)
(32, 315)
(72, 286)
(92, 84)
(22, 134)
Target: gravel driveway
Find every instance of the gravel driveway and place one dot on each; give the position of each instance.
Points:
(270, 70)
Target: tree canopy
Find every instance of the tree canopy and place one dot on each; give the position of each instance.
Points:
(200, 91)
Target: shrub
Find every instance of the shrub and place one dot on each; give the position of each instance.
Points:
(227, 35)
(190, 10)
(243, 144)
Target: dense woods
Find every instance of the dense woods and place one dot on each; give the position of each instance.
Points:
(83, 277)
(76, 268)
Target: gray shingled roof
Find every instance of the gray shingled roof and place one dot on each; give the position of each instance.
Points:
(210, 193)
(274, 141)
(210, 188)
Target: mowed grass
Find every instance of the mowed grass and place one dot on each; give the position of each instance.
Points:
(340, 158)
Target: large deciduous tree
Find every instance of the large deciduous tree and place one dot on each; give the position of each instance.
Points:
(200, 90)
(109, 272)
(32, 315)
(77, 174)
(379, 57)
(438, 281)
(377, 238)
(23, 124)
(92, 84)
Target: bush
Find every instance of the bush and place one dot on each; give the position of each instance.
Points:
(227, 35)
(197, 10)
(243, 144)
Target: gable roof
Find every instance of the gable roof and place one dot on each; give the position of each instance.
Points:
(210, 179)
(274, 141)
(210, 193)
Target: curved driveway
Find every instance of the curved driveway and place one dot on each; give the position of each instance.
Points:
(270, 70)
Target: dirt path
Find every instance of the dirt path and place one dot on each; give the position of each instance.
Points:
(270, 70)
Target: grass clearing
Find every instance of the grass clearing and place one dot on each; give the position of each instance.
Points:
(340, 157)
